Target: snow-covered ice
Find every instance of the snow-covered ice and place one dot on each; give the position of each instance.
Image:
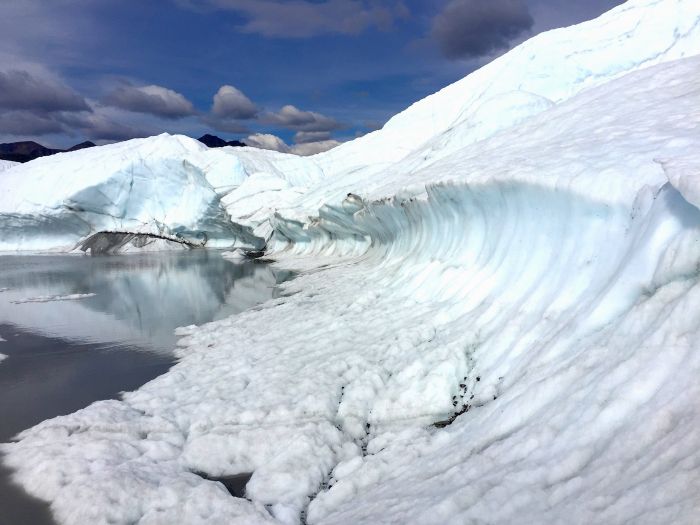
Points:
(51, 298)
(168, 187)
(7, 164)
(497, 319)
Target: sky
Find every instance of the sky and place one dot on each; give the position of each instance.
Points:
(291, 75)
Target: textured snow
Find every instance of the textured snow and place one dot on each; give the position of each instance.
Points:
(528, 281)
(7, 164)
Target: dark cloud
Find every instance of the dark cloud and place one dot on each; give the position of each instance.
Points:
(21, 89)
(91, 125)
(231, 103)
(304, 19)
(294, 118)
(473, 28)
(97, 126)
(26, 123)
(153, 100)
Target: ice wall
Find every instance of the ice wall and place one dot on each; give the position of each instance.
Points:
(165, 186)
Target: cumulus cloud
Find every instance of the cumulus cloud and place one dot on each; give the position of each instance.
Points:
(304, 18)
(267, 141)
(21, 89)
(153, 100)
(275, 143)
(303, 137)
(298, 120)
(312, 148)
(231, 102)
(473, 28)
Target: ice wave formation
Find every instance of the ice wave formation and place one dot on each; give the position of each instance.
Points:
(497, 318)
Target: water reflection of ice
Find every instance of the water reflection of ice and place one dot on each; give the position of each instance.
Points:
(139, 299)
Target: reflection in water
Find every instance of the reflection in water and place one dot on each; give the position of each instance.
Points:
(64, 355)
(139, 299)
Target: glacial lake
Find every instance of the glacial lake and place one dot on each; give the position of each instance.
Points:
(78, 329)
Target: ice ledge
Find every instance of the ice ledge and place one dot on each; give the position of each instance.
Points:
(684, 174)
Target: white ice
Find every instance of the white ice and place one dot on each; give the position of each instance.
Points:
(167, 186)
(52, 298)
(514, 258)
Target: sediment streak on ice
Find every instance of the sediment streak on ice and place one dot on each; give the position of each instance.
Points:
(542, 283)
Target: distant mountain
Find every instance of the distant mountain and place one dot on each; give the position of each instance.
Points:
(82, 145)
(213, 141)
(29, 150)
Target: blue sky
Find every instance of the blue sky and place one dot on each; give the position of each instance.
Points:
(306, 71)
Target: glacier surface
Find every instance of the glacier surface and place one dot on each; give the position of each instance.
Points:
(7, 164)
(496, 319)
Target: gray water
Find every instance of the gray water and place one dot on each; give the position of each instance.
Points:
(65, 354)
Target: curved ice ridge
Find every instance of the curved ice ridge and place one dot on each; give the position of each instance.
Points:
(560, 329)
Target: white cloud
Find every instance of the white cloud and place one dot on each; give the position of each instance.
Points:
(311, 148)
(231, 102)
(267, 141)
(275, 143)
(294, 118)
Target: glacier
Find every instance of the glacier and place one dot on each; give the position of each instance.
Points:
(165, 192)
(495, 319)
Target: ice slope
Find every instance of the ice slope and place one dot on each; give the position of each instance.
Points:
(170, 186)
(545, 70)
(538, 292)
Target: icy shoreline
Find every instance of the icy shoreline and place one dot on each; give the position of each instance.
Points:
(499, 326)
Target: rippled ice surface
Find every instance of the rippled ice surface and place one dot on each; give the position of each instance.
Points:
(77, 329)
